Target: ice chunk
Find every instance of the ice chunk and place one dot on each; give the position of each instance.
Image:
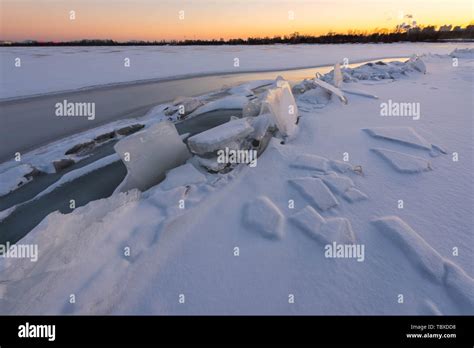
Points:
(308, 161)
(359, 93)
(231, 102)
(281, 104)
(315, 191)
(218, 137)
(210, 163)
(338, 183)
(403, 163)
(309, 221)
(185, 105)
(331, 89)
(460, 284)
(323, 230)
(260, 125)
(354, 195)
(183, 175)
(264, 216)
(317, 97)
(150, 153)
(252, 108)
(337, 79)
(15, 177)
(417, 64)
(403, 135)
(418, 251)
(341, 167)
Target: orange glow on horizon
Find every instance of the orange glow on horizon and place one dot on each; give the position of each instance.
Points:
(123, 20)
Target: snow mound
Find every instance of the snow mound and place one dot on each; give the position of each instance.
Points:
(219, 137)
(403, 135)
(312, 162)
(402, 162)
(316, 97)
(263, 216)
(183, 175)
(417, 250)
(315, 191)
(380, 71)
(463, 53)
(226, 103)
(323, 230)
(166, 198)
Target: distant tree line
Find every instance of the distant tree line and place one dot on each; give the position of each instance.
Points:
(400, 34)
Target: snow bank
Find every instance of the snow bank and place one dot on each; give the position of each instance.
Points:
(463, 53)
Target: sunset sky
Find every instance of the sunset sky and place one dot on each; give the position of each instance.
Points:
(205, 19)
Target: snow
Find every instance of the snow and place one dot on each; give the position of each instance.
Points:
(149, 153)
(191, 251)
(219, 137)
(80, 67)
(183, 175)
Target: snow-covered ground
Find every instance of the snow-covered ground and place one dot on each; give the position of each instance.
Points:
(253, 241)
(54, 69)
